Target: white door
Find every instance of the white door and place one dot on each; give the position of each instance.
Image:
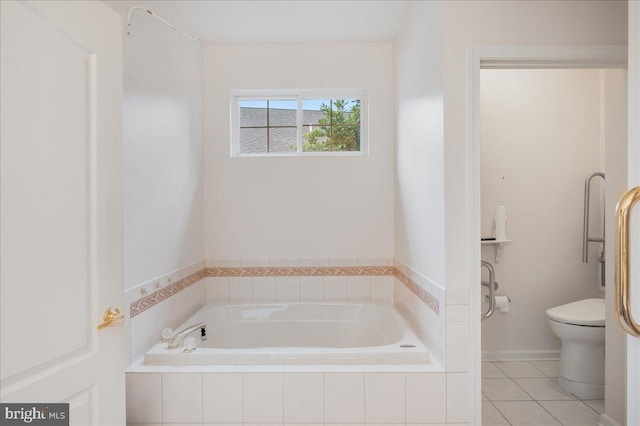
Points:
(61, 207)
(633, 343)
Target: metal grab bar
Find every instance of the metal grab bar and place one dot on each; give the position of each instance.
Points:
(484, 283)
(585, 232)
(492, 290)
(622, 297)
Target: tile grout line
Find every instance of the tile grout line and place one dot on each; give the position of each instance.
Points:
(583, 401)
(446, 398)
(405, 398)
(364, 402)
(523, 390)
(542, 406)
(500, 369)
(323, 399)
(545, 374)
(538, 402)
(162, 397)
(500, 412)
(547, 411)
(242, 393)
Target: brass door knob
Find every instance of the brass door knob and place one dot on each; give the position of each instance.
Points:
(111, 316)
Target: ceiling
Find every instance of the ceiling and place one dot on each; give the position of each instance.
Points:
(299, 21)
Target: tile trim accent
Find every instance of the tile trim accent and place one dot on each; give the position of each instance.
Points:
(138, 306)
(301, 271)
(421, 293)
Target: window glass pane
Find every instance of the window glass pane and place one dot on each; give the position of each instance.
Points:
(253, 141)
(270, 125)
(283, 113)
(345, 130)
(313, 110)
(316, 124)
(283, 139)
(253, 113)
(331, 125)
(346, 111)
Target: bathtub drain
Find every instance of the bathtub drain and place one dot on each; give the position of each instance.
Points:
(407, 346)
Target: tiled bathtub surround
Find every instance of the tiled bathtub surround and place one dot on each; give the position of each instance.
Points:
(241, 287)
(306, 394)
(146, 302)
(169, 300)
(418, 299)
(284, 397)
(163, 282)
(420, 292)
(144, 330)
(165, 301)
(298, 271)
(303, 288)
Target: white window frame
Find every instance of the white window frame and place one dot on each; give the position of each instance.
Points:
(299, 96)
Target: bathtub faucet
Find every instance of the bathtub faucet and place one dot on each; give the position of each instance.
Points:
(177, 338)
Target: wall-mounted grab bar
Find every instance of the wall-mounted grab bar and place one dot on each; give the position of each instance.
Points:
(486, 284)
(585, 233)
(492, 289)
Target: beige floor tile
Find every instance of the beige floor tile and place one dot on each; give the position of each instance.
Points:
(525, 413)
(544, 389)
(491, 416)
(503, 390)
(518, 369)
(490, 371)
(572, 413)
(549, 367)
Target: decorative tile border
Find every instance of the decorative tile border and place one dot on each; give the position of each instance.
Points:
(301, 271)
(421, 293)
(141, 305)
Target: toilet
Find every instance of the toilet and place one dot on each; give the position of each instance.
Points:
(580, 326)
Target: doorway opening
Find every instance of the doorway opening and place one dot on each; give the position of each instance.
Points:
(516, 58)
(543, 131)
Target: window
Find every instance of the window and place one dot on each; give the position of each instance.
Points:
(298, 123)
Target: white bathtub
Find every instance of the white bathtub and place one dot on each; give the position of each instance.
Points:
(297, 333)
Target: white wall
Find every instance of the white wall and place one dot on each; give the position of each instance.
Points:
(298, 207)
(419, 150)
(419, 168)
(477, 24)
(163, 171)
(163, 200)
(540, 138)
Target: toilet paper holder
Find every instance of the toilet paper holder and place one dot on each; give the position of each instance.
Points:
(500, 302)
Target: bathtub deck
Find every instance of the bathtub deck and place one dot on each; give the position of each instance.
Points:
(431, 367)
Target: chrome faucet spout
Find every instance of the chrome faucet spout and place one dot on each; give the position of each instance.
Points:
(177, 338)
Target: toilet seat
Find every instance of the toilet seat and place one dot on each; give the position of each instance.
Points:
(587, 312)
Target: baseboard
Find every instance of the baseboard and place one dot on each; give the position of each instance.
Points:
(520, 355)
(607, 421)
